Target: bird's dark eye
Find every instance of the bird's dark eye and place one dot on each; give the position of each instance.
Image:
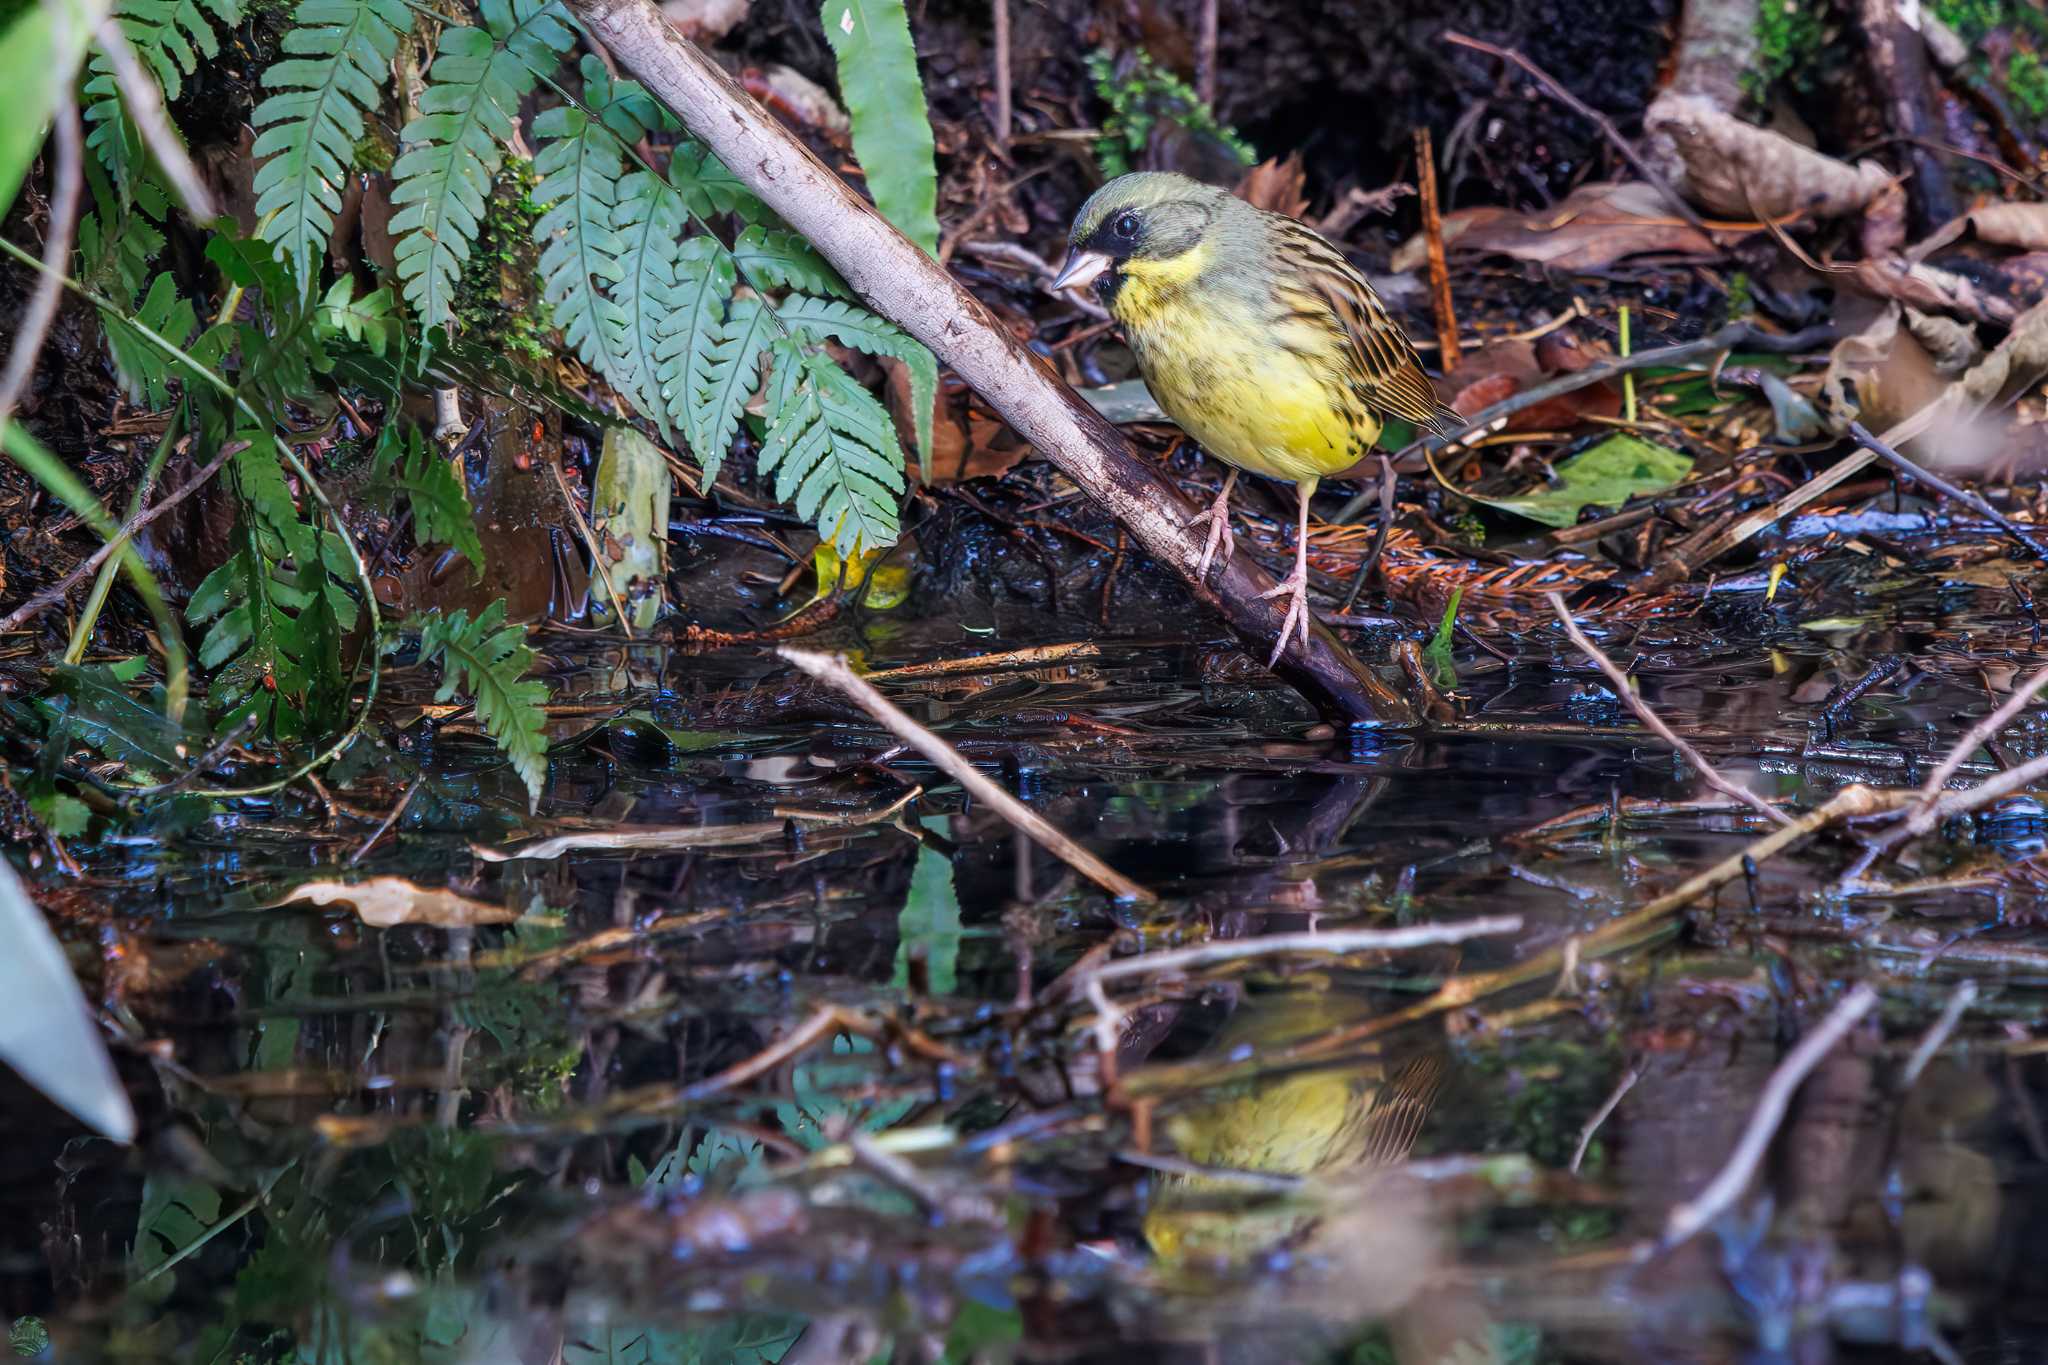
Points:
(1125, 226)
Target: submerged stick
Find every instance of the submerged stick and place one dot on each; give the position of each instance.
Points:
(1776, 1097)
(897, 278)
(831, 668)
(1655, 723)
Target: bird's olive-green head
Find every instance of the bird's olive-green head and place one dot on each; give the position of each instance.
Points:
(1145, 219)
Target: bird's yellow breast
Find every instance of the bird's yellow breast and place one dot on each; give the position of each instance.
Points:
(1266, 397)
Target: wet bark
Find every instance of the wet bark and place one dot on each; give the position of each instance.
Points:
(900, 281)
(1898, 62)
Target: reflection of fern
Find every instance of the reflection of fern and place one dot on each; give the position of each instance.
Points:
(310, 126)
(454, 147)
(170, 36)
(488, 659)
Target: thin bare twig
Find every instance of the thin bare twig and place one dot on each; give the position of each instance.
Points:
(1034, 656)
(1205, 55)
(832, 669)
(50, 596)
(1339, 942)
(1584, 111)
(145, 105)
(1775, 1098)
(1002, 57)
(1973, 739)
(384, 825)
(1655, 723)
(1960, 999)
(35, 320)
(1946, 489)
(1433, 238)
(1601, 1115)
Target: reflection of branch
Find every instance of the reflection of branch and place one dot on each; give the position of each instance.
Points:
(145, 104)
(829, 668)
(1656, 724)
(1332, 941)
(1771, 1103)
(42, 306)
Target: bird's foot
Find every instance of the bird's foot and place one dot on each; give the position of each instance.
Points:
(1295, 585)
(1217, 514)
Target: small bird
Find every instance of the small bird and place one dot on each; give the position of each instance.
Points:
(1255, 335)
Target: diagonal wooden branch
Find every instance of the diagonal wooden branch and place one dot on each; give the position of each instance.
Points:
(899, 280)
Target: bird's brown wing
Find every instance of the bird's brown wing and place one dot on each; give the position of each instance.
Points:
(1389, 373)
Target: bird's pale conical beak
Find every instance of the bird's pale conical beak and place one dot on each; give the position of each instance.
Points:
(1081, 268)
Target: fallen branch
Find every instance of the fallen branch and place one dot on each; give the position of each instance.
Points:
(832, 669)
(1655, 723)
(891, 273)
(1776, 1097)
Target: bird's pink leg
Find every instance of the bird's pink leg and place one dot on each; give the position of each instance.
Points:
(1296, 583)
(1218, 517)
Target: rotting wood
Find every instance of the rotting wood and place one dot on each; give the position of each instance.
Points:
(903, 283)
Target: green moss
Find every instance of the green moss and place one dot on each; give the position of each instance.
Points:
(1138, 99)
(1790, 35)
(1972, 19)
(2026, 80)
(496, 302)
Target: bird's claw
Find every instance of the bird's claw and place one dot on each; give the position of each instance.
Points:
(1296, 586)
(1218, 517)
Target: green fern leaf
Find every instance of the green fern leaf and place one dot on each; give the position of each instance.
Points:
(863, 331)
(732, 375)
(274, 611)
(144, 370)
(892, 130)
(170, 37)
(704, 283)
(368, 321)
(441, 514)
(341, 51)
(779, 258)
(709, 188)
(489, 660)
(454, 147)
(580, 161)
(835, 458)
(650, 223)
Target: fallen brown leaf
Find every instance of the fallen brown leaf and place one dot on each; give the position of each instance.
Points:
(2016, 225)
(383, 902)
(1276, 186)
(1595, 226)
(1736, 168)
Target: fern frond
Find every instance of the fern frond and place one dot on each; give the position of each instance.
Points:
(863, 331)
(489, 660)
(341, 50)
(580, 161)
(775, 256)
(454, 147)
(170, 36)
(274, 611)
(649, 221)
(732, 375)
(833, 451)
(145, 372)
(704, 281)
(709, 188)
(441, 514)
